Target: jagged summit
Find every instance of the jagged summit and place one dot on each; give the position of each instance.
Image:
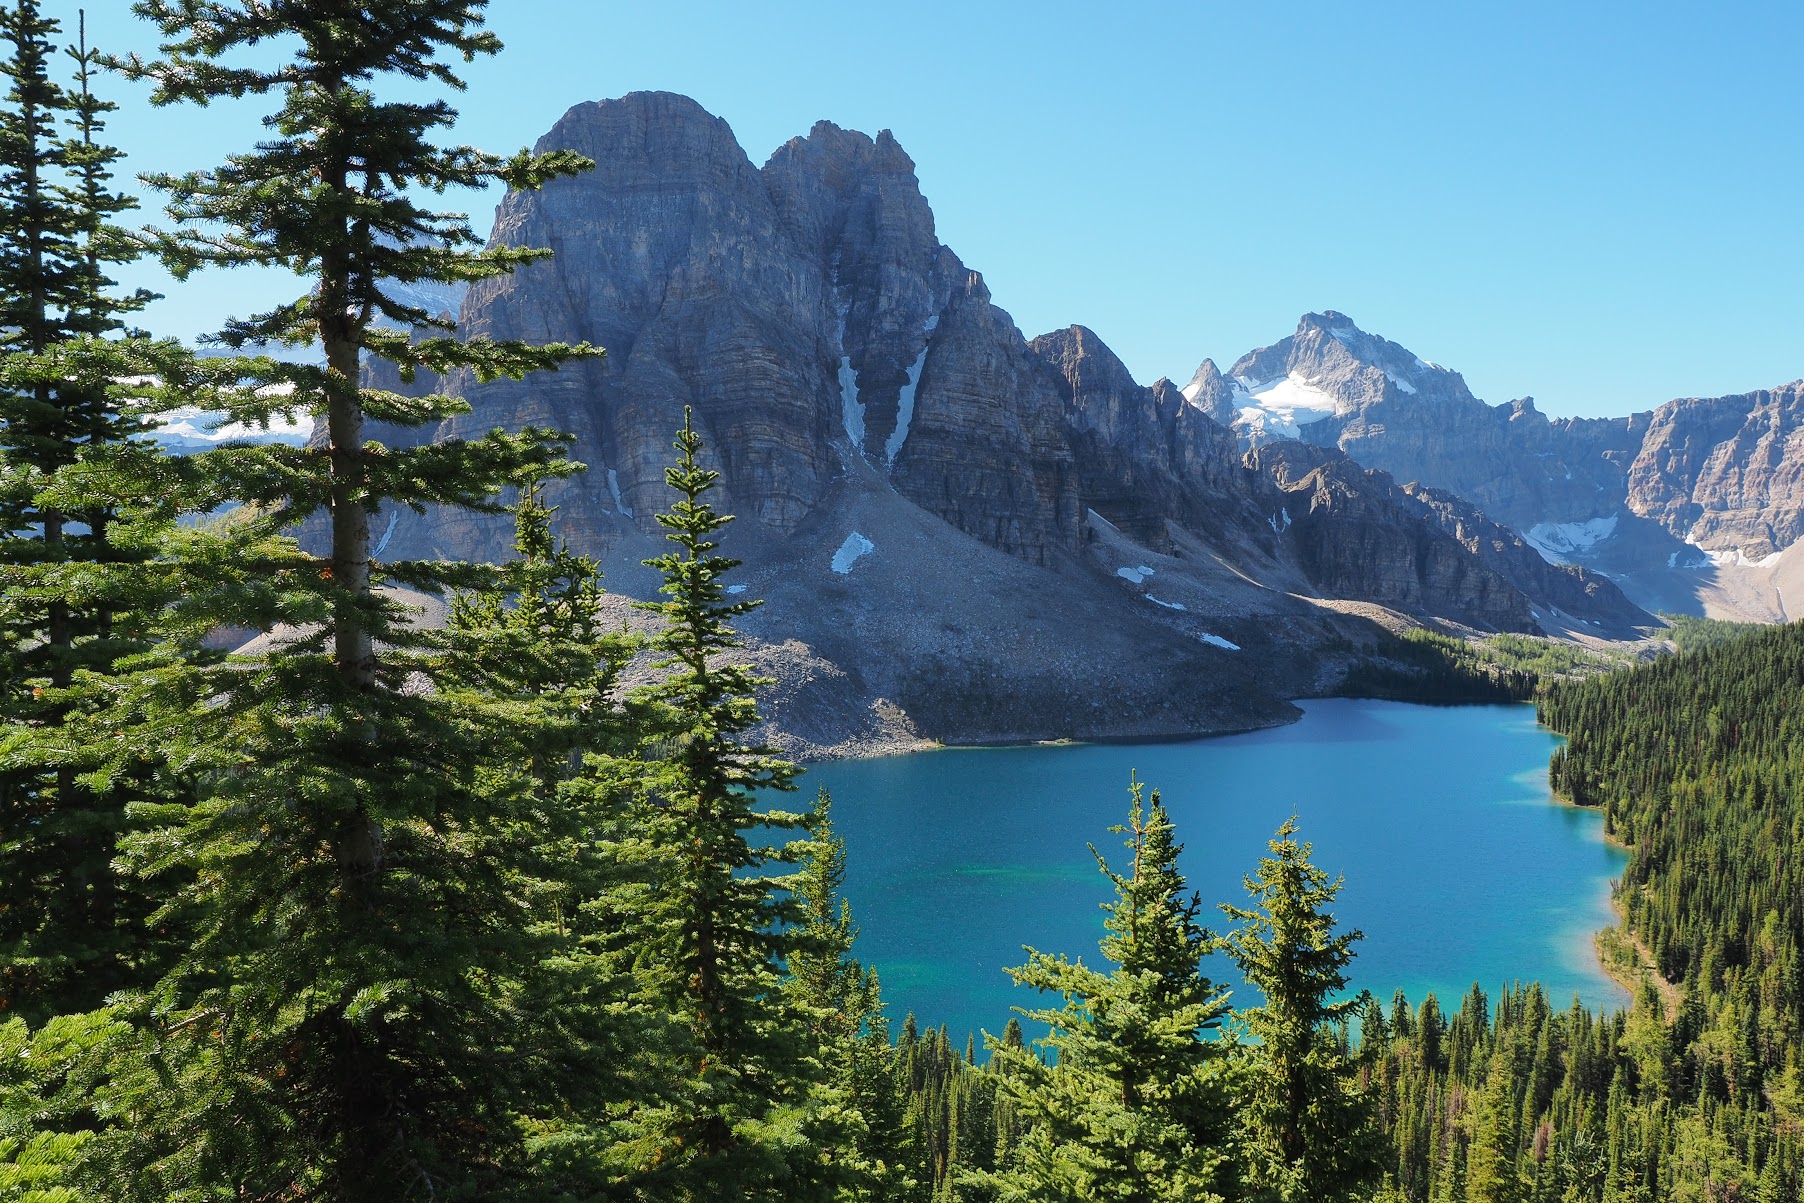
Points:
(939, 511)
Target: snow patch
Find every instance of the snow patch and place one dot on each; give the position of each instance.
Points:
(614, 490)
(905, 402)
(855, 546)
(1400, 382)
(1162, 602)
(387, 533)
(1559, 541)
(1279, 409)
(191, 424)
(1136, 575)
(905, 409)
(735, 588)
(1218, 641)
(1734, 557)
(851, 410)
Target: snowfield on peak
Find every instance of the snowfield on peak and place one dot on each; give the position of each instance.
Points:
(1278, 409)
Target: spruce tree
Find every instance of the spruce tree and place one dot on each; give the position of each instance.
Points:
(1134, 1107)
(1307, 1129)
(71, 605)
(842, 1001)
(705, 916)
(346, 1021)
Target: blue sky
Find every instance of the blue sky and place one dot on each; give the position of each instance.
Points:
(1594, 203)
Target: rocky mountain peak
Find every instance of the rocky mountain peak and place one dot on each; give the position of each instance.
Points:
(1211, 392)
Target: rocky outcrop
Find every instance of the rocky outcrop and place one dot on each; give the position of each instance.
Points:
(1675, 503)
(1390, 409)
(1566, 589)
(1428, 551)
(1727, 472)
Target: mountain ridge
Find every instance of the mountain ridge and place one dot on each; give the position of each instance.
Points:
(936, 508)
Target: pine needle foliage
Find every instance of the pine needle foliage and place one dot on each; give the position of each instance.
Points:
(842, 1002)
(1134, 1107)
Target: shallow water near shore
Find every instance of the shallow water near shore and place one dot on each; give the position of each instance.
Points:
(1460, 866)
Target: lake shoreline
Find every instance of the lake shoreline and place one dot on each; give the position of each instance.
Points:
(955, 862)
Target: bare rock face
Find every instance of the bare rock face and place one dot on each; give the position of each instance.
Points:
(970, 534)
(1428, 551)
(1726, 472)
(1678, 504)
(1574, 591)
(1390, 409)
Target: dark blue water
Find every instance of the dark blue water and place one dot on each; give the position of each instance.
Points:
(1459, 866)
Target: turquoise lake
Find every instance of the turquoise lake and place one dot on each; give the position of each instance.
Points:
(1459, 865)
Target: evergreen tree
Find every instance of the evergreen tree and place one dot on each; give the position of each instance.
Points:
(1308, 1131)
(843, 1003)
(1133, 1109)
(703, 920)
(346, 1021)
(70, 606)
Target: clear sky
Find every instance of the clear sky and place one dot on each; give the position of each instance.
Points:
(1600, 204)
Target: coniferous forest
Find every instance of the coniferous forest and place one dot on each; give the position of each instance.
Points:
(377, 910)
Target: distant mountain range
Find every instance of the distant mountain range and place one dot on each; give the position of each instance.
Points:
(968, 535)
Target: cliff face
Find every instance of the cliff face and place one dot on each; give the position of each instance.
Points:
(938, 509)
(1390, 409)
(1727, 472)
(1686, 506)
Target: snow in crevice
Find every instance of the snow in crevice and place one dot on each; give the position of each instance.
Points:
(614, 491)
(905, 402)
(1136, 575)
(855, 546)
(1280, 521)
(387, 534)
(1218, 641)
(1559, 541)
(1159, 601)
(851, 410)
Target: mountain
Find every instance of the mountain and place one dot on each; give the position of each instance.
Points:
(1692, 506)
(960, 533)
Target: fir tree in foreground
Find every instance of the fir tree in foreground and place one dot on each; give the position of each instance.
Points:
(704, 924)
(347, 1021)
(1307, 1130)
(842, 1003)
(71, 604)
(1135, 1108)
